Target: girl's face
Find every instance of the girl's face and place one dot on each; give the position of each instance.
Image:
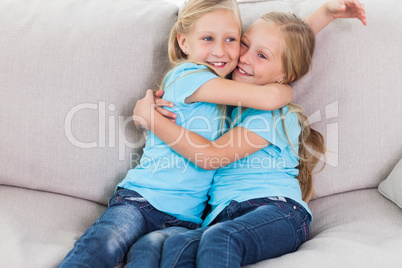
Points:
(260, 55)
(215, 40)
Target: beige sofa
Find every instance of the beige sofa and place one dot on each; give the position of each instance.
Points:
(72, 70)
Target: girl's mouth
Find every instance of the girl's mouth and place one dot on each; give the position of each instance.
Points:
(242, 72)
(218, 64)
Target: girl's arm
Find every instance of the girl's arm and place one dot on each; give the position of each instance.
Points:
(224, 91)
(335, 9)
(231, 146)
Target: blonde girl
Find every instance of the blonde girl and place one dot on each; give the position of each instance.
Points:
(261, 211)
(165, 189)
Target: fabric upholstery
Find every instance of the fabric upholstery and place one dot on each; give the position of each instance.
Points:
(39, 227)
(71, 74)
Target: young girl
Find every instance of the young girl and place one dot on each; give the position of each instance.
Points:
(165, 189)
(262, 212)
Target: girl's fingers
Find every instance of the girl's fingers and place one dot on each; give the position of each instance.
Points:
(356, 10)
(158, 94)
(166, 113)
(162, 102)
(363, 14)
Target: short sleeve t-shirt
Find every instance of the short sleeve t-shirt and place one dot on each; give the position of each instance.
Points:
(171, 183)
(268, 172)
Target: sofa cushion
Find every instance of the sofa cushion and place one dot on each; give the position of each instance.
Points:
(71, 72)
(355, 229)
(38, 229)
(392, 186)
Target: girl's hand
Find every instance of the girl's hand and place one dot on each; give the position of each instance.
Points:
(347, 9)
(159, 102)
(144, 110)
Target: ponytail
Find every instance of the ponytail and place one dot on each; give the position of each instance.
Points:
(311, 151)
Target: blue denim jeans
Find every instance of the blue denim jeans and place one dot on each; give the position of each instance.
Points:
(147, 251)
(245, 233)
(127, 217)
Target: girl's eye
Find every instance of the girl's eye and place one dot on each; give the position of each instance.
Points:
(262, 56)
(243, 44)
(208, 38)
(230, 39)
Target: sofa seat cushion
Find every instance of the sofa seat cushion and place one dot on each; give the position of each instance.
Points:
(38, 229)
(359, 228)
(353, 229)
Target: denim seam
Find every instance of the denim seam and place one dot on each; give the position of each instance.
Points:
(228, 245)
(246, 229)
(181, 252)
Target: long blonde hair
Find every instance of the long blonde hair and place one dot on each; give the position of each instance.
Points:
(299, 42)
(189, 15)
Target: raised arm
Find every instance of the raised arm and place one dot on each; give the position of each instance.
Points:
(262, 97)
(335, 9)
(232, 146)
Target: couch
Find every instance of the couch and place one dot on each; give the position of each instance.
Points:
(72, 70)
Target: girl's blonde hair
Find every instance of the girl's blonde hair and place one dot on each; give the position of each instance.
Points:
(299, 42)
(189, 15)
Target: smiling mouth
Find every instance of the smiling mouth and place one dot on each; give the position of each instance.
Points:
(242, 72)
(217, 64)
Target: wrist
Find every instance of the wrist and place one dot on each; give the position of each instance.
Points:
(155, 121)
(328, 11)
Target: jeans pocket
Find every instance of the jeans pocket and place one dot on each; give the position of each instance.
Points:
(257, 202)
(130, 197)
(176, 222)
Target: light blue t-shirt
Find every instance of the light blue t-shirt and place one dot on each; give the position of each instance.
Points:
(171, 183)
(268, 172)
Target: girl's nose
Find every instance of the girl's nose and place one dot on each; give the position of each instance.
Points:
(244, 57)
(218, 50)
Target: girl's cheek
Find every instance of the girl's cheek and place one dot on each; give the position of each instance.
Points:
(235, 49)
(204, 49)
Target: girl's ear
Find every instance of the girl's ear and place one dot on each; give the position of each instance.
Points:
(293, 78)
(181, 40)
(287, 82)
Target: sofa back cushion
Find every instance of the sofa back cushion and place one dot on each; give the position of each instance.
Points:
(71, 72)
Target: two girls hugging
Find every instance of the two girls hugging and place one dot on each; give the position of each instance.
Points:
(256, 211)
